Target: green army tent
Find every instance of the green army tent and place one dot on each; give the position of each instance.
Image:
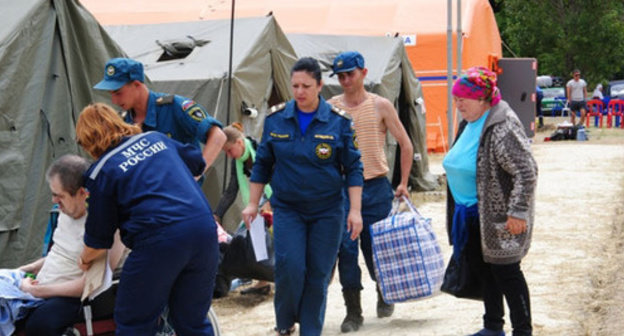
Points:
(192, 59)
(51, 53)
(391, 76)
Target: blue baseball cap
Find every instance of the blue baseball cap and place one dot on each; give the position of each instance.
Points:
(347, 61)
(118, 72)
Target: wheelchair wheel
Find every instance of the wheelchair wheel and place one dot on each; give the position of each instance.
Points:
(212, 316)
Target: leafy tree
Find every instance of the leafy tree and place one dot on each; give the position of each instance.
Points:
(566, 34)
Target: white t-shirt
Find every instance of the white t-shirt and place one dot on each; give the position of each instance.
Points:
(61, 263)
(576, 89)
(597, 93)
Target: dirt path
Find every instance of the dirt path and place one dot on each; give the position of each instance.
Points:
(574, 269)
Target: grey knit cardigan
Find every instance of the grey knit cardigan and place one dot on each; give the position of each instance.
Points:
(506, 182)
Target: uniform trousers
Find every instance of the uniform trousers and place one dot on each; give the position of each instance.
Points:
(306, 244)
(377, 198)
(178, 271)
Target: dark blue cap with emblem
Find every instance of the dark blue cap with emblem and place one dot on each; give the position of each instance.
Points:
(118, 72)
(347, 61)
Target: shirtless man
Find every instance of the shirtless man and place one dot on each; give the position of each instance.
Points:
(373, 116)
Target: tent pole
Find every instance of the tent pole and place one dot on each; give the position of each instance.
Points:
(229, 91)
(459, 39)
(449, 68)
(457, 116)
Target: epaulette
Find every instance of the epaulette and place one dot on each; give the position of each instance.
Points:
(276, 108)
(340, 112)
(168, 99)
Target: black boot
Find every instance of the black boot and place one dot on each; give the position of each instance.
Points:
(383, 309)
(353, 321)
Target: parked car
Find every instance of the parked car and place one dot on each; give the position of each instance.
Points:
(557, 81)
(554, 100)
(545, 81)
(616, 89)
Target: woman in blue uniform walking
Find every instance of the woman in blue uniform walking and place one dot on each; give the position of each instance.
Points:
(308, 152)
(142, 184)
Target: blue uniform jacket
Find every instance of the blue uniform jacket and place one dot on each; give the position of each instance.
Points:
(178, 117)
(311, 168)
(143, 184)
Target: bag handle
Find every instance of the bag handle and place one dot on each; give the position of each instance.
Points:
(396, 202)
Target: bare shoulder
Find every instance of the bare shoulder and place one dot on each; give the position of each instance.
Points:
(384, 106)
(335, 99)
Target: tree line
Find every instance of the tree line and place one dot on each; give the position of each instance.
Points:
(564, 35)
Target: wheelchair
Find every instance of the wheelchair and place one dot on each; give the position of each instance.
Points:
(98, 313)
(106, 326)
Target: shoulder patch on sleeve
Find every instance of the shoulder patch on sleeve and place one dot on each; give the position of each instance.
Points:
(197, 113)
(340, 112)
(168, 99)
(276, 108)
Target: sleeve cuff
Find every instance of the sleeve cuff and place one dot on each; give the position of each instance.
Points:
(95, 243)
(205, 126)
(524, 215)
(355, 180)
(257, 178)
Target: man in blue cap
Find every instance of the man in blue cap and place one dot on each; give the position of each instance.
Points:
(178, 117)
(373, 116)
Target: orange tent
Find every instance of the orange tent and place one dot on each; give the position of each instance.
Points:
(422, 23)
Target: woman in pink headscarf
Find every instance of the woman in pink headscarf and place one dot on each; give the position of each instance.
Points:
(491, 177)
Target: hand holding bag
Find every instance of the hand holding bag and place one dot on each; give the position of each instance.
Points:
(407, 257)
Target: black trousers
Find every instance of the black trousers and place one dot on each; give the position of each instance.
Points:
(500, 281)
(53, 316)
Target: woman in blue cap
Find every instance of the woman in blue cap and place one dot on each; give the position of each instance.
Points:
(308, 152)
(143, 185)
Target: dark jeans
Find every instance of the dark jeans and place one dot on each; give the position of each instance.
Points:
(53, 316)
(500, 281)
(377, 198)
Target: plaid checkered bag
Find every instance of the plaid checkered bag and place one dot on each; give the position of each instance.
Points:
(408, 260)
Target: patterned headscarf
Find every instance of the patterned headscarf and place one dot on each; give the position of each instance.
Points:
(478, 83)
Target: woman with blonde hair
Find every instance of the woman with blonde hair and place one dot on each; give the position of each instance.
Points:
(242, 151)
(142, 184)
